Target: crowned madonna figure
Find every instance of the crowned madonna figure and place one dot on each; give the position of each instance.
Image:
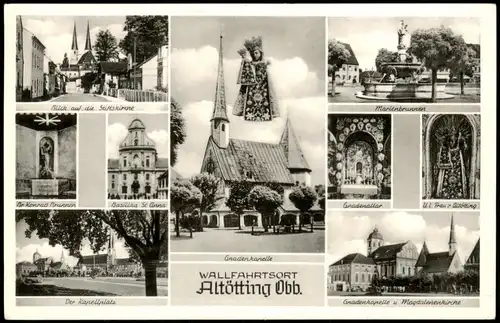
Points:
(451, 168)
(256, 100)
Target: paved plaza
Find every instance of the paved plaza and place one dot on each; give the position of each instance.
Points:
(232, 240)
(80, 97)
(119, 286)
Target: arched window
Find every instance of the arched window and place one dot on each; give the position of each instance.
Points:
(404, 270)
(359, 168)
(147, 161)
(223, 127)
(147, 177)
(136, 142)
(363, 278)
(356, 279)
(125, 161)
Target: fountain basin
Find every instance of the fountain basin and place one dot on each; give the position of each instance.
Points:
(402, 91)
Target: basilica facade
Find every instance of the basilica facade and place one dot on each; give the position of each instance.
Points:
(138, 173)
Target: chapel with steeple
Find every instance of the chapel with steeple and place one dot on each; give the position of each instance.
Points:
(233, 159)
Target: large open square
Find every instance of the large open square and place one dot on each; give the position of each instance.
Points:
(86, 286)
(226, 240)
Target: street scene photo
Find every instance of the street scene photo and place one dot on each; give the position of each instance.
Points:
(91, 253)
(359, 156)
(137, 156)
(403, 254)
(46, 156)
(92, 58)
(247, 135)
(415, 59)
(451, 156)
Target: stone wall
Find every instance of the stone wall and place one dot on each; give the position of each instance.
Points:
(26, 149)
(67, 153)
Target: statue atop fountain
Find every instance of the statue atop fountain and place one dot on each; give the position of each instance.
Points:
(402, 46)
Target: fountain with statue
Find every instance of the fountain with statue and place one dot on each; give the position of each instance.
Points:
(405, 79)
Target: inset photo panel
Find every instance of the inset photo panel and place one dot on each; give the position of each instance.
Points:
(138, 148)
(359, 156)
(75, 253)
(46, 156)
(404, 59)
(403, 254)
(451, 160)
(92, 58)
(248, 129)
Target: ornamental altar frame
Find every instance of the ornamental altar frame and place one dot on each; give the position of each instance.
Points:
(474, 186)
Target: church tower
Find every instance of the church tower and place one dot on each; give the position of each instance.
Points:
(74, 47)
(219, 124)
(62, 257)
(111, 250)
(88, 43)
(422, 258)
(375, 240)
(452, 244)
(36, 256)
(297, 163)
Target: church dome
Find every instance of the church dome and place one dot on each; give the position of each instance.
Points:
(136, 124)
(375, 235)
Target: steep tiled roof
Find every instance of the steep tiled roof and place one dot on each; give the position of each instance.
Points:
(422, 258)
(161, 163)
(352, 59)
(293, 152)
(88, 58)
(89, 260)
(387, 252)
(354, 258)
(438, 262)
(476, 48)
(267, 162)
(113, 163)
(474, 254)
(113, 67)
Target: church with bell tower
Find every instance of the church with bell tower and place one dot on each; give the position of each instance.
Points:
(232, 160)
(79, 63)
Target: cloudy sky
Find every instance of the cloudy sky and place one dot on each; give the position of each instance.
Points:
(296, 49)
(56, 32)
(25, 248)
(367, 35)
(156, 129)
(347, 231)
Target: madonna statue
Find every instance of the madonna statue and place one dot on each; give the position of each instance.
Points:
(256, 100)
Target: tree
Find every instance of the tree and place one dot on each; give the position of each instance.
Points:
(144, 231)
(303, 197)
(338, 55)
(266, 201)
(184, 198)
(106, 46)
(320, 192)
(435, 48)
(463, 62)
(238, 200)
(384, 56)
(65, 62)
(208, 185)
(148, 32)
(177, 129)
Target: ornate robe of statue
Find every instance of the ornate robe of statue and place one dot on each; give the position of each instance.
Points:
(46, 160)
(451, 170)
(256, 100)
